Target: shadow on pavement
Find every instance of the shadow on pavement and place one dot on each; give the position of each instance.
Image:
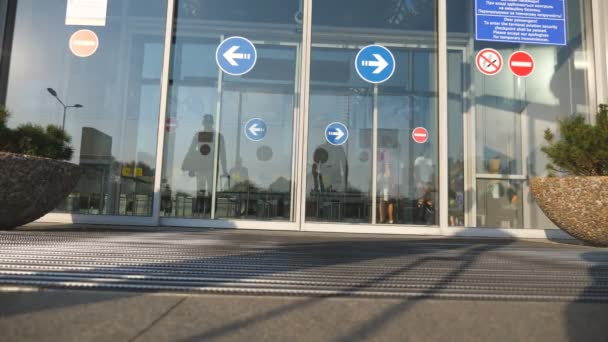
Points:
(466, 258)
(286, 258)
(369, 265)
(585, 319)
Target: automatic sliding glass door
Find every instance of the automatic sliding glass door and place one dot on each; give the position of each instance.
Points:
(255, 179)
(372, 142)
(229, 131)
(339, 186)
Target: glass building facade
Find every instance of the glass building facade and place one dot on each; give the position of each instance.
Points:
(169, 132)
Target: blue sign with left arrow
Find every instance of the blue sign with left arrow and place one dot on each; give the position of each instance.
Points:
(256, 129)
(236, 56)
(336, 133)
(375, 64)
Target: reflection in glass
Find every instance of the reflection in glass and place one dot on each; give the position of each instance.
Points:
(501, 119)
(339, 179)
(499, 204)
(199, 162)
(456, 154)
(248, 179)
(407, 171)
(339, 188)
(108, 102)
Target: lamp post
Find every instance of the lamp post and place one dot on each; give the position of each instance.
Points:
(65, 108)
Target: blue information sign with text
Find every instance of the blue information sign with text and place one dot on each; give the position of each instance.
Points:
(521, 21)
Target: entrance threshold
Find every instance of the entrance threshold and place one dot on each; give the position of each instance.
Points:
(398, 230)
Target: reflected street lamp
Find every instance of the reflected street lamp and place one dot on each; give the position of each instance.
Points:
(65, 108)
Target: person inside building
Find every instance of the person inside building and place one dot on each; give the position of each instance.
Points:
(239, 177)
(199, 163)
(387, 184)
(424, 174)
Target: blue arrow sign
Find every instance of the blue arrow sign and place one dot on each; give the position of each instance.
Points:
(375, 64)
(256, 129)
(236, 56)
(336, 134)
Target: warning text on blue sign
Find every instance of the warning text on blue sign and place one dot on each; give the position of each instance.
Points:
(521, 21)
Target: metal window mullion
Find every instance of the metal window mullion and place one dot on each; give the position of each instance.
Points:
(596, 51)
(602, 49)
(216, 139)
(375, 156)
(164, 91)
(525, 158)
(468, 142)
(304, 105)
(295, 129)
(442, 82)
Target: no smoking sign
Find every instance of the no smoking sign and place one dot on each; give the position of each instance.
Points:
(489, 62)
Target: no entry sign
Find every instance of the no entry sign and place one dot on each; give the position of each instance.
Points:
(521, 64)
(84, 43)
(420, 135)
(489, 62)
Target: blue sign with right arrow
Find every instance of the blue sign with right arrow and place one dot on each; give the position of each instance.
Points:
(236, 56)
(375, 64)
(336, 134)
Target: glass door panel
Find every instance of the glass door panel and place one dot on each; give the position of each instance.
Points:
(339, 177)
(406, 171)
(255, 176)
(379, 174)
(213, 167)
(108, 102)
(500, 120)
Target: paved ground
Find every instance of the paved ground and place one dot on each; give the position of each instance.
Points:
(106, 316)
(105, 284)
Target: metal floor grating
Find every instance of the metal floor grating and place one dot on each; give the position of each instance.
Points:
(301, 265)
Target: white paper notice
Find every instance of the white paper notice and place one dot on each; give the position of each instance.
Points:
(86, 12)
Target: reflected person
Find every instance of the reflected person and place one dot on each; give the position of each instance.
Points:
(199, 163)
(330, 168)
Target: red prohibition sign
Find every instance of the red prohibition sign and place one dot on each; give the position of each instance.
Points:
(489, 62)
(521, 64)
(420, 135)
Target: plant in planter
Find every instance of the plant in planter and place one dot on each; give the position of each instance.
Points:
(34, 174)
(577, 201)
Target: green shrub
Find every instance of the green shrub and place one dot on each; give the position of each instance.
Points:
(35, 140)
(583, 148)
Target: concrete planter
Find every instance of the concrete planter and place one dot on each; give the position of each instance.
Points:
(32, 186)
(578, 205)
